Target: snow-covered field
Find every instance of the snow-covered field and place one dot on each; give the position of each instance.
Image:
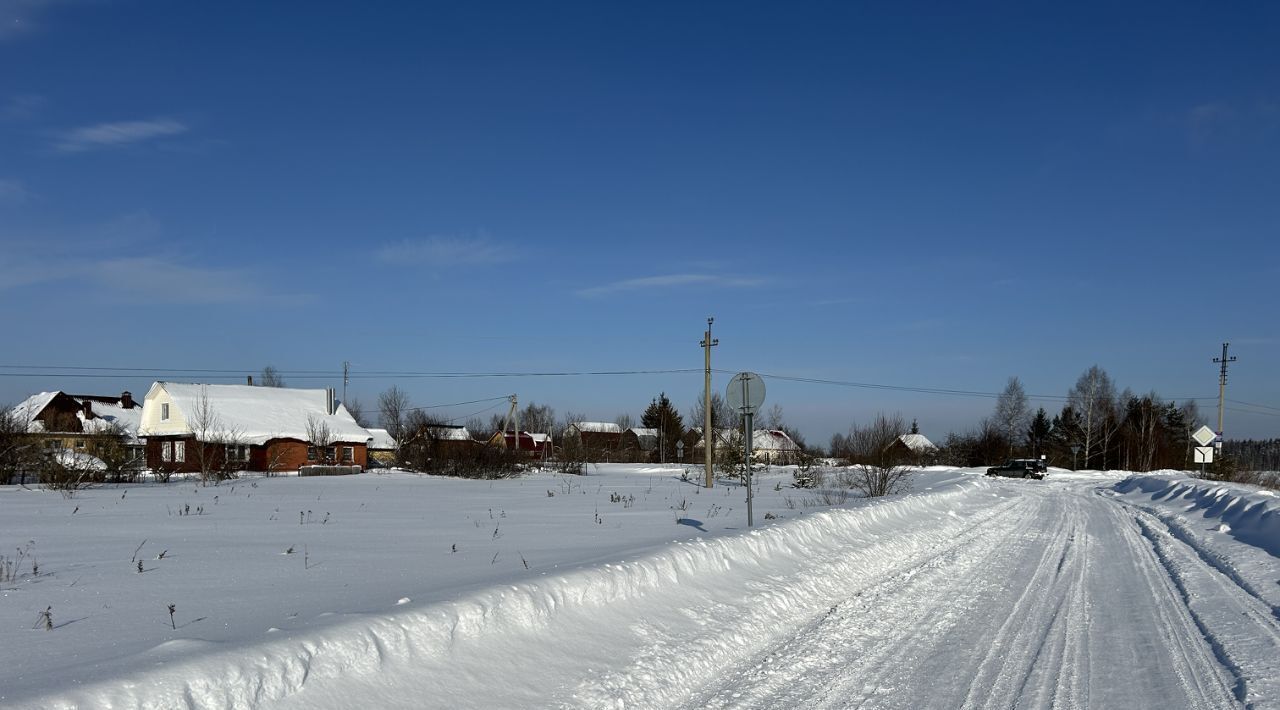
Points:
(630, 587)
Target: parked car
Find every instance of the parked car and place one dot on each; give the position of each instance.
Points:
(1020, 468)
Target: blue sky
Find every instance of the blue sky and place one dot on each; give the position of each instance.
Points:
(924, 195)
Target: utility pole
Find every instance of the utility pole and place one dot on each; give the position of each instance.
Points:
(707, 435)
(1222, 387)
(346, 371)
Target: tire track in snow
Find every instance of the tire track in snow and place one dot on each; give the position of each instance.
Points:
(1239, 627)
(1061, 602)
(847, 654)
(736, 631)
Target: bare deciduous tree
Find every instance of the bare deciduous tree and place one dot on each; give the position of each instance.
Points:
(538, 418)
(356, 409)
(878, 469)
(270, 377)
(320, 436)
(721, 416)
(213, 440)
(393, 405)
(1093, 400)
(1012, 414)
(624, 421)
(18, 451)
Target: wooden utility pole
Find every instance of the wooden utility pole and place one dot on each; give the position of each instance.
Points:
(707, 433)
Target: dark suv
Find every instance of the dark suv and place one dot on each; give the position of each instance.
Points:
(1020, 468)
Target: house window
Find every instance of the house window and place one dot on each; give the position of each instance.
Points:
(236, 452)
(311, 453)
(180, 451)
(164, 412)
(166, 451)
(333, 453)
(79, 443)
(348, 454)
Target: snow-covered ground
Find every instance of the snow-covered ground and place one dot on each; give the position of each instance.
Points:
(631, 587)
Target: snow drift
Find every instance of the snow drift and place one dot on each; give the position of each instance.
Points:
(743, 586)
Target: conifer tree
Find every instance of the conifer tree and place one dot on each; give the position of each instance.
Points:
(662, 416)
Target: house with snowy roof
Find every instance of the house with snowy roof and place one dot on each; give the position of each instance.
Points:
(598, 441)
(246, 427)
(534, 444)
(382, 446)
(82, 423)
(915, 448)
(722, 438)
(774, 446)
(638, 444)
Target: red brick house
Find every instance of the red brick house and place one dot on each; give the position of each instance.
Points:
(194, 427)
(532, 444)
(598, 441)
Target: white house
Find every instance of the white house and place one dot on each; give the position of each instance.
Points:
(257, 428)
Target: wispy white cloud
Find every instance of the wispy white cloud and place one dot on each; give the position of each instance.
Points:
(129, 259)
(148, 278)
(673, 280)
(13, 192)
(445, 251)
(22, 108)
(142, 278)
(111, 135)
(1219, 123)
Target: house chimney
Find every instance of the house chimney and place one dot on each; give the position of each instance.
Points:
(88, 409)
(126, 400)
(250, 381)
(332, 407)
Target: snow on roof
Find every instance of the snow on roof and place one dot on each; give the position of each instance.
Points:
(723, 436)
(106, 413)
(29, 408)
(648, 438)
(917, 443)
(382, 439)
(599, 427)
(254, 415)
(79, 461)
(106, 416)
(772, 440)
(450, 433)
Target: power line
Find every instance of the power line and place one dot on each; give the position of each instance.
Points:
(1251, 404)
(108, 372)
(504, 397)
(926, 390)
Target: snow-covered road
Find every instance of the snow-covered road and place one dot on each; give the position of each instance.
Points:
(1069, 599)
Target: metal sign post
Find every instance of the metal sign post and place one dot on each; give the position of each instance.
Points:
(680, 451)
(745, 395)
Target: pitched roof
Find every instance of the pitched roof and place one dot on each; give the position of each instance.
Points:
(28, 409)
(648, 438)
(445, 432)
(253, 415)
(107, 415)
(917, 443)
(772, 440)
(381, 439)
(107, 411)
(598, 427)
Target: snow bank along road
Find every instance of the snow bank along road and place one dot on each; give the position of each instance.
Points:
(982, 593)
